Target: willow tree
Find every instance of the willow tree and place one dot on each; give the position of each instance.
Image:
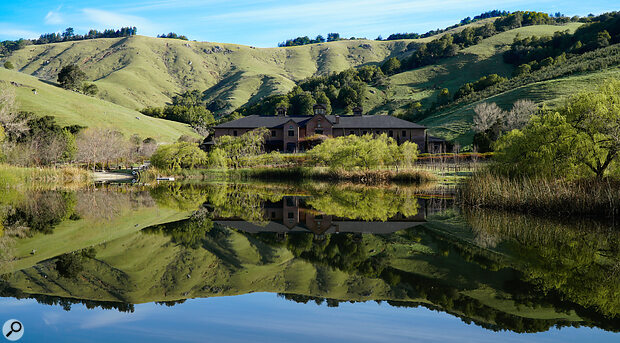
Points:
(582, 137)
(236, 149)
(365, 152)
(595, 116)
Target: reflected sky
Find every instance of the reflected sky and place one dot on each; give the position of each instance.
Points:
(264, 317)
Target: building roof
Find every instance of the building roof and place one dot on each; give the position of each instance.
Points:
(344, 122)
(256, 121)
(372, 122)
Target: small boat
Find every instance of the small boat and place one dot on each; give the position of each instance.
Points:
(165, 179)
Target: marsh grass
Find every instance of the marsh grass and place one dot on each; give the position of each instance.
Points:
(298, 174)
(373, 176)
(12, 176)
(588, 197)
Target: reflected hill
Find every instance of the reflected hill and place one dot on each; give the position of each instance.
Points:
(400, 248)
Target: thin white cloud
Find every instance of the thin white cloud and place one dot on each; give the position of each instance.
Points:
(107, 19)
(107, 318)
(53, 18)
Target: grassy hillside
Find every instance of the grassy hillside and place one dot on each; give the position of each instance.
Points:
(73, 108)
(456, 123)
(140, 71)
(423, 84)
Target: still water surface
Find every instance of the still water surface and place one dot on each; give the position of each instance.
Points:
(313, 262)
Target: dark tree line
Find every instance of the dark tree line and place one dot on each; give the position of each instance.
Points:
(533, 53)
(172, 35)
(465, 21)
(590, 61)
(305, 40)
(450, 43)
(477, 86)
(592, 47)
(8, 46)
(69, 35)
(302, 41)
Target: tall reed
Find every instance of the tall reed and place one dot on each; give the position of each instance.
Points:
(411, 176)
(592, 197)
(11, 176)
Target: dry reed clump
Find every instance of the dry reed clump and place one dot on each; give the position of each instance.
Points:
(542, 195)
(13, 176)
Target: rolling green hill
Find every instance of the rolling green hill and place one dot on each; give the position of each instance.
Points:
(139, 71)
(136, 72)
(456, 123)
(71, 108)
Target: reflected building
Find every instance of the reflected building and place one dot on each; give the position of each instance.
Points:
(294, 214)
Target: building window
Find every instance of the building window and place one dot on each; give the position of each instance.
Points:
(273, 214)
(391, 133)
(404, 133)
(234, 132)
(318, 132)
(273, 133)
(291, 215)
(290, 202)
(291, 133)
(318, 217)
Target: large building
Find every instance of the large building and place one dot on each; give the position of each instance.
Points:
(289, 132)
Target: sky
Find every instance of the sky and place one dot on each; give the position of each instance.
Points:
(264, 317)
(263, 23)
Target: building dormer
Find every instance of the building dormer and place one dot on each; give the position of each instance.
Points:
(358, 111)
(319, 109)
(281, 111)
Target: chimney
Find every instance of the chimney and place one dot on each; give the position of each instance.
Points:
(337, 120)
(357, 111)
(281, 111)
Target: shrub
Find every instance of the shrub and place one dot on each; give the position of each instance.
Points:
(90, 89)
(177, 156)
(217, 159)
(71, 77)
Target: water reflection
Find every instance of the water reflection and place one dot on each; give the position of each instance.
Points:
(113, 248)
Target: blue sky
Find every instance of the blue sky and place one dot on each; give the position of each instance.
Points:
(262, 23)
(264, 317)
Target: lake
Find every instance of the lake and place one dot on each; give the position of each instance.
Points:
(237, 262)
